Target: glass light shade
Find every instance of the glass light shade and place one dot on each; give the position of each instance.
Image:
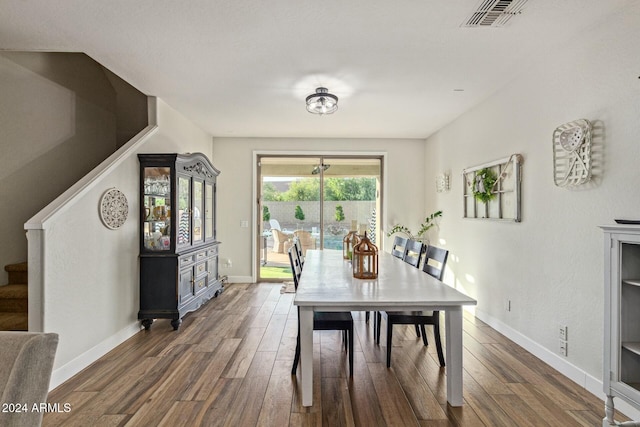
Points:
(322, 102)
(365, 259)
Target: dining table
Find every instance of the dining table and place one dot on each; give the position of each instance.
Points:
(327, 284)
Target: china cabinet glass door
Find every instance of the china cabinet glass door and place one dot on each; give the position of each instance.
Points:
(184, 212)
(198, 210)
(157, 209)
(208, 212)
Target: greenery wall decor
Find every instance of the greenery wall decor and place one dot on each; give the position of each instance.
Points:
(483, 185)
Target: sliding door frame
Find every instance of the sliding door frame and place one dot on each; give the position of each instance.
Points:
(256, 191)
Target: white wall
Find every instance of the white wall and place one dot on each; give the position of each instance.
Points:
(90, 273)
(404, 198)
(551, 265)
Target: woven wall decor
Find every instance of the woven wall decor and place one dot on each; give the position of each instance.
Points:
(572, 153)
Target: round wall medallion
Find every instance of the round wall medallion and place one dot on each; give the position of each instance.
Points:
(114, 208)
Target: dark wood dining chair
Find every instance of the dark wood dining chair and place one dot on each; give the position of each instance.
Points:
(435, 260)
(399, 247)
(323, 320)
(413, 252)
(298, 248)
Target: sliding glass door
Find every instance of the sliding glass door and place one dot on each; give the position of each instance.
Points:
(315, 198)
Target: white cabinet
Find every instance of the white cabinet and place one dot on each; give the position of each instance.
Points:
(621, 372)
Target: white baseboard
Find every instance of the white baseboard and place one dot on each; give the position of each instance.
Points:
(575, 374)
(240, 279)
(63, 373)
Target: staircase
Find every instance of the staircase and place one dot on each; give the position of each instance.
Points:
(13, 299)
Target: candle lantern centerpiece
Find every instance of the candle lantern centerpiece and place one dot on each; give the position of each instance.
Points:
(365, 259)
(349, 241)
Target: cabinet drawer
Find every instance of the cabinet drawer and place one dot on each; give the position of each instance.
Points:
(201, 256)
(186, 260)
(200, 284)
(212, 252)
(201, 268)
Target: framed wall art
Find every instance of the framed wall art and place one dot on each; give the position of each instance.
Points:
(492, 190)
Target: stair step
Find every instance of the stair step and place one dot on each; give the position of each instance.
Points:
(13, 298)
(18, 273)
(14, 322)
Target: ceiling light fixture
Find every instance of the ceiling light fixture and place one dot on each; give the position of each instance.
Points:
(316, 169)
(322, 102)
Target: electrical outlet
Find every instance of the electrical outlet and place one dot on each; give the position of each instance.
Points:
(564, 346)
(563, 332)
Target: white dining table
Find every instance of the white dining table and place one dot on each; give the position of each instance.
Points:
(327, 284)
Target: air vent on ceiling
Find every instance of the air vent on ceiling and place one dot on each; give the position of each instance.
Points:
(494, 13)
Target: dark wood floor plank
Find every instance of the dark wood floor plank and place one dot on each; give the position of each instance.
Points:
(230, 364)
(247, 404)
(543, 405)
(215, 408)
(396, 409)
(339, 414)
(425, 405)
(214, 364)
(273, 333)
(364, 401)
(242, 358)
(276, 406)
(181, 413)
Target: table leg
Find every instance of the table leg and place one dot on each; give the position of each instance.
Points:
(306, 354)
(453, 358)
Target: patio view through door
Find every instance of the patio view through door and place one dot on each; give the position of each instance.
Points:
(316, 198)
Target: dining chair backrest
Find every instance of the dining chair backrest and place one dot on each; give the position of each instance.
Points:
(413, 253)
(399, 247)
(296, 271)
(435, 260)
(297, 245)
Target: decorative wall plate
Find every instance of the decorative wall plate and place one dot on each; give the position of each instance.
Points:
(572, 153)
(113, 208)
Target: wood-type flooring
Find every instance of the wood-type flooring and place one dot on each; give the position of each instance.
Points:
(229, 364)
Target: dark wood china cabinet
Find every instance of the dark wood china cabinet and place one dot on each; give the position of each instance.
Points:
(178, 246)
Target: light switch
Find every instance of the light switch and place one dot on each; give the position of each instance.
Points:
(244, 224)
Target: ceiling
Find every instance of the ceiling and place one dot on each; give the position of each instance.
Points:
(242, 68)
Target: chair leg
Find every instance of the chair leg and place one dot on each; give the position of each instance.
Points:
(366, 317)
(424, 335)
(296, 358)
(375, 324)
(389, 340)
(436, 334)
(378, 322)
(417, 331)
(350, 335)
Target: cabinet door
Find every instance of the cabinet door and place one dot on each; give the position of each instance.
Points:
(186, 282)
(629, 294)
(208, 211)
(156, 209)
(198, 211)
(184, 211)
